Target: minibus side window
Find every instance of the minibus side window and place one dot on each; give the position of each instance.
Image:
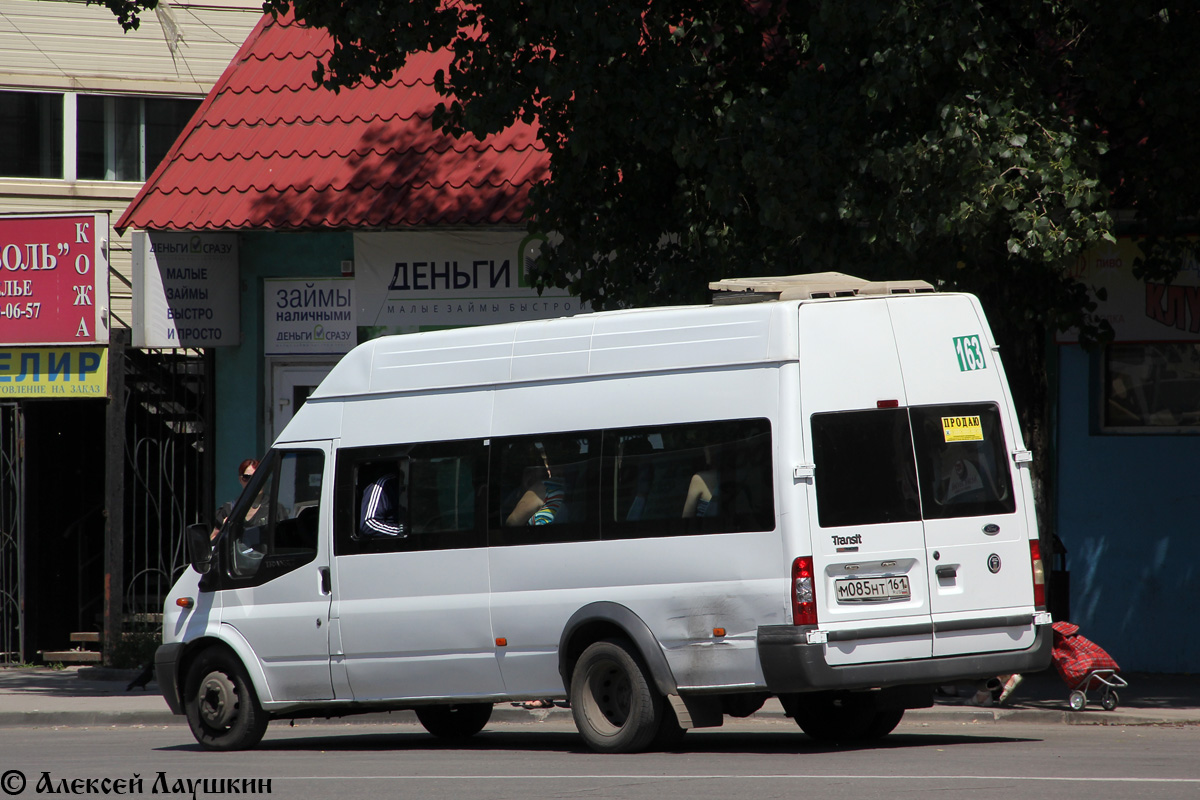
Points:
(865, 473)
(400, 498)
(273, 527)
(962, 461)
(543, 488)
(702, 477)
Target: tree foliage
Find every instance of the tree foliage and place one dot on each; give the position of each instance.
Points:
(979, 144)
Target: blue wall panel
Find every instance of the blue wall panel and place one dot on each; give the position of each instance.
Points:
(1129, 515)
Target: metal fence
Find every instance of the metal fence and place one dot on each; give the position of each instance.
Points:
(167, 468)
(12, 534)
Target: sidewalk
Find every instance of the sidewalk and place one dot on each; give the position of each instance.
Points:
(94, 696)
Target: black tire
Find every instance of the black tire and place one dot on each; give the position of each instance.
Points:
(827, 720)
(221, 707)
(615, 706)
(460, 721)
(885, 722)
(670, 732)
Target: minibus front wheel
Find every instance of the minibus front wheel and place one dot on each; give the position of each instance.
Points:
(613, 700)
(221, 706)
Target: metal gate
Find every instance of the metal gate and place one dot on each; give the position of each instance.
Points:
(167, 469)
(12, 534)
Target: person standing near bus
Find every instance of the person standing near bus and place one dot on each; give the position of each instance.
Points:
(245, 473)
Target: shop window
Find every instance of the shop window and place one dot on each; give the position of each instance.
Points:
(1151, 388)
(125, 138)
(31, 135)
(115, 137)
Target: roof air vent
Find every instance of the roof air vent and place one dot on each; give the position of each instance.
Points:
(785, 287)
(813, 285)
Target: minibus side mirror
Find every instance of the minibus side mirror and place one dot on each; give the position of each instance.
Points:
(200, 549)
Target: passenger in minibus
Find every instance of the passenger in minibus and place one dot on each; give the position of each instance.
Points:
(637, 476)
(704, 488)
(543, 498)
(382, 511)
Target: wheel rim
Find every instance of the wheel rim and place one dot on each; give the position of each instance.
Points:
(609, 696)
(217, 700)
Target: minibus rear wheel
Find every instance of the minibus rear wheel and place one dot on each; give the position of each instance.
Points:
(615, 705)
(828, 720)
(884, 723)
(221, 706)
(460, 721)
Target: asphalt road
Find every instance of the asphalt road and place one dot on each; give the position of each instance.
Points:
(745, 759)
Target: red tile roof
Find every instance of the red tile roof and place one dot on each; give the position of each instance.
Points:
(268, 149)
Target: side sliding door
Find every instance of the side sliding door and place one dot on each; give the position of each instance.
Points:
(412, 571)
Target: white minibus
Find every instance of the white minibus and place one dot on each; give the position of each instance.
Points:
(813, 489)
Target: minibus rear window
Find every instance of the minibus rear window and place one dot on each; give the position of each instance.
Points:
(962, 461)
(865, 472)
(873, 465)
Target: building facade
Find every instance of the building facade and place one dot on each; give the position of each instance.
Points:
(87, 112)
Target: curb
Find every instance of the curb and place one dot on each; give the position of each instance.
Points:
(87, 719)
(518, 716)
(1044, 716)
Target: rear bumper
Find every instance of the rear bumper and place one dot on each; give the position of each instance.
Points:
(790, 664)
(166, 672)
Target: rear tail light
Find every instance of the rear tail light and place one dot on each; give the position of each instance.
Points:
(1039, 574)
(804, 597)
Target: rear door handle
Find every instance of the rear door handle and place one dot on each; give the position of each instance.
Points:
(326, 580)
(946, 570)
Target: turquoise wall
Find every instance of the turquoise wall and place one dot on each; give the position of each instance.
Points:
(1128, 515)
(240, 431)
